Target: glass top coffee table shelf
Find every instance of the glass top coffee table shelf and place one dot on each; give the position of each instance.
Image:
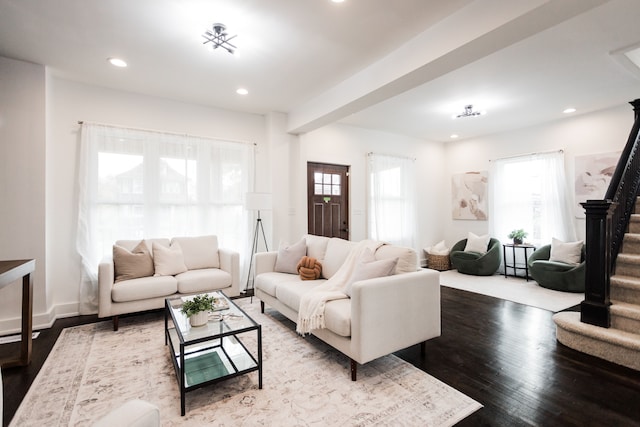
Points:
(206, 354)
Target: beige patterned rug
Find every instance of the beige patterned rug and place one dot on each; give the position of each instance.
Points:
(92, 369)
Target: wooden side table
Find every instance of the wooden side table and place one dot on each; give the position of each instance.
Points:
(515, 266)
(10, 271)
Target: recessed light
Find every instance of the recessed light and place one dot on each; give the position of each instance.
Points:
(337, 1)
(117, 62)
(242, 91)
(454, 136)
(569, 110)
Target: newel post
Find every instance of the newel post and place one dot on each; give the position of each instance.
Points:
(595, 307)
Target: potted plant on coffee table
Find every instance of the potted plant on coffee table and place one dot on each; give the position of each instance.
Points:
(197, 309)
(518, 236)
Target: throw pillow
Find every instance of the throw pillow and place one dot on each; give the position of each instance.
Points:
(309, 268)
(438, 249)
(289, 256)
(567, 252)
(367, 267)
(477, 244)
(168, 261)
(132, 264)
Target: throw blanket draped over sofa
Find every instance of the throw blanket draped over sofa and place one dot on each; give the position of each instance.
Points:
(371, 299)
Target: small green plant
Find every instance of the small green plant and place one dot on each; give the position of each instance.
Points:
(197, 304)
(518, 235)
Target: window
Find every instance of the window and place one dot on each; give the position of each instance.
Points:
(391, 212)
(529, 192)
(141, 184)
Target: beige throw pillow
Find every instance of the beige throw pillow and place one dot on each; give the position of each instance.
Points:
(132, 264)
(567, 252)
(367, 267)
(289, 256)
(477, 244)
(168, 261)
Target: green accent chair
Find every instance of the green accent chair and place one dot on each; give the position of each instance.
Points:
(475, 263)
(556, 275)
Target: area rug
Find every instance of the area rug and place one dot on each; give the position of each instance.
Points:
(514, 289)
(93, 369)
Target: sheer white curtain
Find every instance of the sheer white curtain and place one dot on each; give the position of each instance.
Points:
(391, 201)
(136, 184)
(530, 192)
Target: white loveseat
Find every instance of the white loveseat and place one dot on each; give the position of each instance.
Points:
(383, 314)
(181, 266)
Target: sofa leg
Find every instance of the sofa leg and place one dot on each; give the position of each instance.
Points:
(115, 323)
(354, 369)
(262, 307)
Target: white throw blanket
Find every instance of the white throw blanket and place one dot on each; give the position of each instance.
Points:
(311, 311)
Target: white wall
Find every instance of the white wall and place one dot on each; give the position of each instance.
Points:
(22, 179)
(600, 132)
(349, 145)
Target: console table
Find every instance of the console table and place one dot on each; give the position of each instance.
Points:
(10, 271)
(515, 266)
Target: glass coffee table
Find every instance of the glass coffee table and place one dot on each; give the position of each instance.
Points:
(204, 355)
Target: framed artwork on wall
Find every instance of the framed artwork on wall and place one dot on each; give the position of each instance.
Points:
(469, 195)
(592, 177)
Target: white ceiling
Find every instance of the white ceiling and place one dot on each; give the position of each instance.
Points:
(404, 66)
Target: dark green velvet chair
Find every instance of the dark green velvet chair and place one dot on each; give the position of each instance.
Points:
(476, 263)
(556, 275)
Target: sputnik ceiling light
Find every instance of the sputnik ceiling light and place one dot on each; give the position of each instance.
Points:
(218, 37)
(468, 112)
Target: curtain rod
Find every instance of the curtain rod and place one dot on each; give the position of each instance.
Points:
(371, 153)
(528, 154)
(82, 122)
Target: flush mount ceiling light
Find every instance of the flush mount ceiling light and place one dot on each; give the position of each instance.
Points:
(117, 62)
(468, 112)
(218, 37)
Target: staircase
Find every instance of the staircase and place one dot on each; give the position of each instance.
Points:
(621, 342)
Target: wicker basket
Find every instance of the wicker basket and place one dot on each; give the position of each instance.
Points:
(438, 262)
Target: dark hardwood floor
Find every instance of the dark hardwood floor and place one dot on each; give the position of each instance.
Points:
(502, 354)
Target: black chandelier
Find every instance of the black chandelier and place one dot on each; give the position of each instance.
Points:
(218, 37)
(468, 112)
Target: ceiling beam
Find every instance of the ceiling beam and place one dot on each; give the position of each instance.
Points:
(471, 33)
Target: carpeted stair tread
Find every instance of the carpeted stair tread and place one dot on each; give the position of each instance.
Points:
(628, 282)
(628, 258)
(631, 311)
(570, 321)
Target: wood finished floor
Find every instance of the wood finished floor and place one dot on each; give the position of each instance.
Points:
(502, 354)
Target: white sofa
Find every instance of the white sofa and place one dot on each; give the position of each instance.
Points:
(208, 268)
(383, 314)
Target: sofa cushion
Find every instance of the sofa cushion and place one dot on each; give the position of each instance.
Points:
(289, 256)
(268, 282)
(289, 293)
(132, 264)
(407, 257)
(337, 316)
(337, 252)
(144, 288)
(168, 260)
(199, 252)
(316, 246)
(366, 267)
(203, 279)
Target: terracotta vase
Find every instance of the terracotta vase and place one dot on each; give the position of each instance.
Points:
(199, 319)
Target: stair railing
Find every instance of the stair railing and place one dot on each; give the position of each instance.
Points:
(606, 223)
